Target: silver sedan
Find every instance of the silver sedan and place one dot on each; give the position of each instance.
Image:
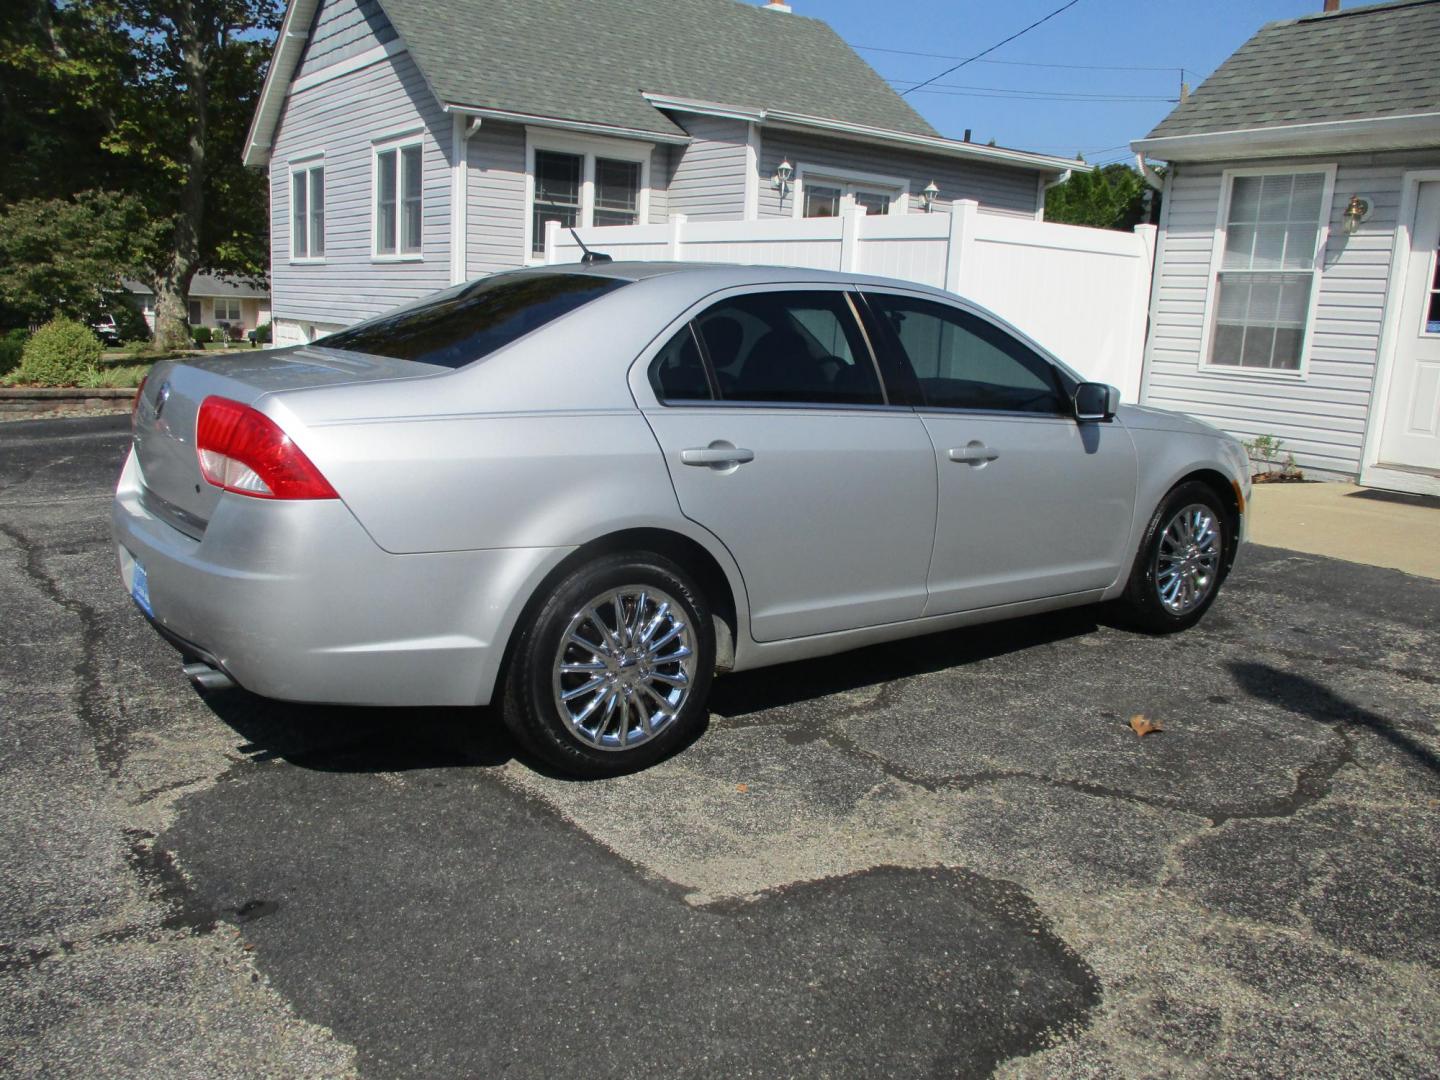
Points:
(580, 492)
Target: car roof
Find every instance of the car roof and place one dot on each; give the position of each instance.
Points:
(724, 275)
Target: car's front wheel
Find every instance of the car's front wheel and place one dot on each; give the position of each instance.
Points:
(1182, 561)
(612, 672)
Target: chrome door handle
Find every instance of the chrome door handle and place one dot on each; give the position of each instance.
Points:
(719, 456)
(975, 453)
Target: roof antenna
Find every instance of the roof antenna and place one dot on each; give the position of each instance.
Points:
(590, 258)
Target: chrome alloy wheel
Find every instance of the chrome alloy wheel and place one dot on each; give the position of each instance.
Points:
(624, 668)
(1187, 563)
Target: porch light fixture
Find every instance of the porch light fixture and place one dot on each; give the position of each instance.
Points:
(781, 180)
(1356, 212)
(929, 195)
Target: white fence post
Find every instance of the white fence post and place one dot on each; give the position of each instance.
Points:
(850, 226)
(962, 233)
(552, 237)
(677, 234)
(1140, 320)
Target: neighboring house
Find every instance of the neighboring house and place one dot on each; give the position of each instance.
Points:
(412, 144)
(1296, 291)
(214, 302)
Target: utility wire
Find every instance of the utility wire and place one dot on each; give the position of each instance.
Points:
(1028, 63)
(992, 48)
(1051, 95)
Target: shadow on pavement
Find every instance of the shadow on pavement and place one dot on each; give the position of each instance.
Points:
(787, 684)
(1309, 698)
(336, 738)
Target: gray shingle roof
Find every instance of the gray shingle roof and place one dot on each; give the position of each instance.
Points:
(590, 60)
(207, 285)
(1358, 63)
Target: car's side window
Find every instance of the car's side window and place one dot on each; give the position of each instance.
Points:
(792, 347)
(678, 373)
(964, 362)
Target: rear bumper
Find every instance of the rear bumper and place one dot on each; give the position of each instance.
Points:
(295, 601)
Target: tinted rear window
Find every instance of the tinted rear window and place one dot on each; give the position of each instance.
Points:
(459, 326)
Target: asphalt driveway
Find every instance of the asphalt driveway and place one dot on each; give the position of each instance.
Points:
(949, 856)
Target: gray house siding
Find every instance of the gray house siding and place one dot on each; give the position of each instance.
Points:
(709, 178)
(495, 216)
(341, 119)
(1321, 415)
(344, 28)
(994, 187)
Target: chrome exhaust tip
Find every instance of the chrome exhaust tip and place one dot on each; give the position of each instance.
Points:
(208, 678)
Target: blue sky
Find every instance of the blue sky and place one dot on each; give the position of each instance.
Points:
(1165, 34)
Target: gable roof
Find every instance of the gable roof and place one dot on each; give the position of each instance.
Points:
(612, 65)
(1375, 63)
(207, 285)
(591, 60)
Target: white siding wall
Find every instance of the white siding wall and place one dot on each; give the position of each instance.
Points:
(709, 179)
(994, 187)
(1321, 416)
(342, 29)
(342, 118)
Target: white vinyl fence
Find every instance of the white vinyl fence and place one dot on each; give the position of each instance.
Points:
(1082, 293)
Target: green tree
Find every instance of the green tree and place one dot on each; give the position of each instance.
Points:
(1110, 197)
(151, 98)
(65, 257)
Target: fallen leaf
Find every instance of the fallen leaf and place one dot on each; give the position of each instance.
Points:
(1143, 725)
(742, 788)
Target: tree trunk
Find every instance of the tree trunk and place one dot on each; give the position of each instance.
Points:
(172, 324)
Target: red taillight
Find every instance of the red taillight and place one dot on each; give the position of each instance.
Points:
(244, 451)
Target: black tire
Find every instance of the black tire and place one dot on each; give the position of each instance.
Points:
(1141, 606)
(529, 707)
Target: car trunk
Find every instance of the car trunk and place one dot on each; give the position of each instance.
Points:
(165, 416)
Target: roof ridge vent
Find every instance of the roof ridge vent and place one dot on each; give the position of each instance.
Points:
(777, 5)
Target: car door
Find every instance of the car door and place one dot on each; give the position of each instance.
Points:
(1032, 503)
(780, 440)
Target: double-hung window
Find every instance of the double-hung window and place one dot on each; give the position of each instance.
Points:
(1267, 274)
(558, 180)
(307, 211)
(831, 194)
(399, 200)
(227, 309)
(583, 182)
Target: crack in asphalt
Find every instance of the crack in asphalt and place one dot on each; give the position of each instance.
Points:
(107, 738)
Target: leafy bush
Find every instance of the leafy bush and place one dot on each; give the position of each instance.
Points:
(62, 353)
(12, 344)
(200, 335)
(262, 334)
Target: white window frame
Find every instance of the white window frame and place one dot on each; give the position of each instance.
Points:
(305, 166)
(897, 187)
(227, 301)
(398, 143)
(1217, 259)
(588, 147)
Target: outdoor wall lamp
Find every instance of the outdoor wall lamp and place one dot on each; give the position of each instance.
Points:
(929, 195)
(781, 180)
(1356, 212)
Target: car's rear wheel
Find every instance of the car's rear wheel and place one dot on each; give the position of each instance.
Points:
(613, 671)
(1182, 561)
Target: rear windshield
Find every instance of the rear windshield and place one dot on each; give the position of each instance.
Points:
(459, 326)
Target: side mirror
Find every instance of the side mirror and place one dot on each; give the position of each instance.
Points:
(1095, 402)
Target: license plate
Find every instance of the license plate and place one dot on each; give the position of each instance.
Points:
(140, 589)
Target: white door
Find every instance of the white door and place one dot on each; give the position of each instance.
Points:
(1410, 436)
